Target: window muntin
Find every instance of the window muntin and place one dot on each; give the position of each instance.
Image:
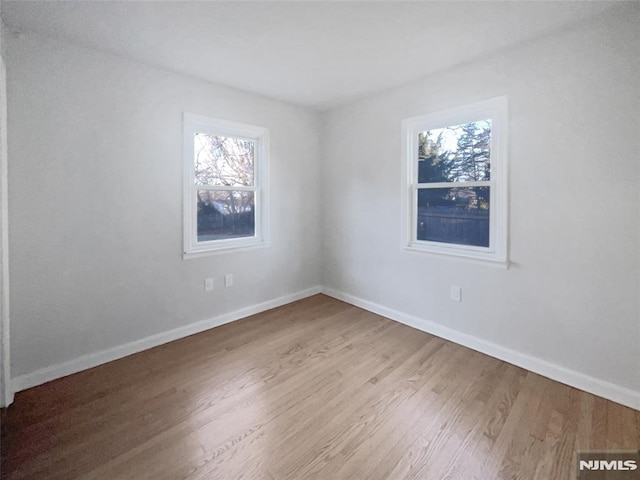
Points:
(225, 185)
(454, 187)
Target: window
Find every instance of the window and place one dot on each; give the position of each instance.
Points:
(225, 175)
(454, 183)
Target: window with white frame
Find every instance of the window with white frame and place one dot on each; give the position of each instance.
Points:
(455, 181)
(225, 183)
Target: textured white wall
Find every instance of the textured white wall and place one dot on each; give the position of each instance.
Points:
(571, 295)
(96, 203)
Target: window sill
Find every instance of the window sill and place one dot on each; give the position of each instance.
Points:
(459, 254)
(223, 250)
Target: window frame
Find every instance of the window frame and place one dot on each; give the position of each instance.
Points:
(193, 124)
(494, 109)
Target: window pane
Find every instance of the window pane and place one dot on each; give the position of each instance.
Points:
(460, 153)
(225, 214)
(454, 215)
(223, 160)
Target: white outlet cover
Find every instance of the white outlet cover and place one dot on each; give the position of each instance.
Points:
(208, 284)
(228, 280)
(456, 294)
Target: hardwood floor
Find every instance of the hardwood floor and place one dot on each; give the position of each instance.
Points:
(317, 389)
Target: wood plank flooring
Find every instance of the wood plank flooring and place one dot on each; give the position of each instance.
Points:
(317, 389)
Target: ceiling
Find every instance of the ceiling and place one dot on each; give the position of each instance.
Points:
(315, 54)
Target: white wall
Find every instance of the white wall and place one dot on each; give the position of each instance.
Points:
(96, 203)
(571, 295)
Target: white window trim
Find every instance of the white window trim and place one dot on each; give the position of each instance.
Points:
(494, 109)
(260, 135)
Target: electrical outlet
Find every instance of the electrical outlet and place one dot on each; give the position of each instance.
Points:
(456, 294)
(208, 284)
(228, 280)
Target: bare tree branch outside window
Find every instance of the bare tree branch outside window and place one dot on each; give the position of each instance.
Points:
(224, 162)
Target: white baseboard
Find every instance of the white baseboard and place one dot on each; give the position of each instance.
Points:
(94, 359)
(610, 391)
(616, 393)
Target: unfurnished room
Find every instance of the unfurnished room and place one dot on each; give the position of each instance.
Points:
(331, 240)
